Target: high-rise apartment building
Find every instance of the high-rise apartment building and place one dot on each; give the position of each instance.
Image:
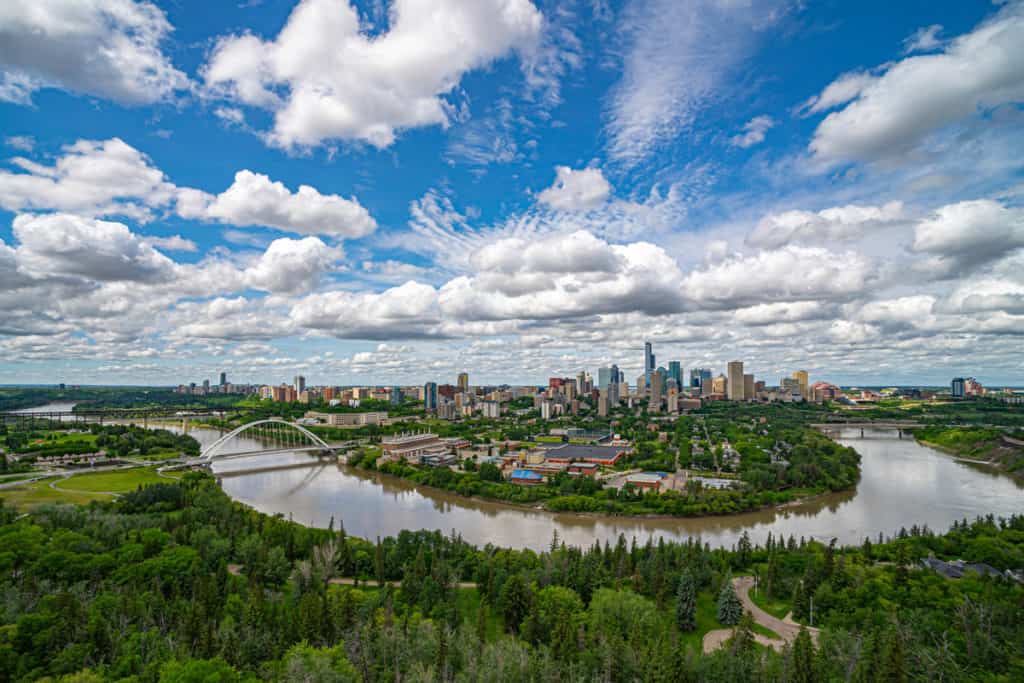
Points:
(657, 390)
(430, 397)
(734, 373)
(958, 387)
(395, 396)
(223, 379)
(801, 376)
(463, 382)
(299, 384)
(748, 387)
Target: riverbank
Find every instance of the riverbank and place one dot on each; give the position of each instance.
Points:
(803, 498)
(992, 450)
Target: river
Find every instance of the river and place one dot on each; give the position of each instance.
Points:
(902, 483)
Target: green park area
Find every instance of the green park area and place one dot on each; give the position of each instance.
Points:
(80, 488)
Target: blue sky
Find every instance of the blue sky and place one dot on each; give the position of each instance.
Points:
(397, 191)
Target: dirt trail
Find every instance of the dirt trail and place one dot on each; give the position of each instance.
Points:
(787, 629)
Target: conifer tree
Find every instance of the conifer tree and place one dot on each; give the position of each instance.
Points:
(730, 609)
(686, 602)
(803, 659)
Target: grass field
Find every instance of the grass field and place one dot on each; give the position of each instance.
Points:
(15, 477)
(40, 493)
(773, 606)
(707, 620)
(120, 481)
(79, 489)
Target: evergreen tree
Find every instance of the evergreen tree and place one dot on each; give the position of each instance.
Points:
(686, 602)
(730, 609)
(744, 548)
(514, 602)
(742, 640)
(800, 601)
(893, 667)
(802, 663)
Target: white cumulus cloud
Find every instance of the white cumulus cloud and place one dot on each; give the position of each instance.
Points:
(254, 199)
(575, 190)
(107, 48)
(911, 98)
(325, 79)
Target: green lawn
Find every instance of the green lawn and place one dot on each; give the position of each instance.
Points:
(120, 481)
(774, 606)
(765, 631)
(15, 477)
(707, 620)
(39, 493)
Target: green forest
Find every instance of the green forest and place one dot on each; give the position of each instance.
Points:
(176, 582)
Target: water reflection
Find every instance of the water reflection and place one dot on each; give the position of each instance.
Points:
(902, 484)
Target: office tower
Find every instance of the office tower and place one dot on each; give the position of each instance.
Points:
(430, 397)
(582, 383)
(734, 389)
(718, 384)
(698, 375)
(206, 386)
(641, 385)
(299, 384)
(657, 386)
(672, 398)
(648, 363)
(790, 387)
(604, 378)
(223, 379)
(958, 387)
(463, 382)
(395, 396)
(602, 403)
(748, 387)
(675, 371)
(801, 376)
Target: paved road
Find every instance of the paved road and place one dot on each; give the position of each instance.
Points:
(787, 629)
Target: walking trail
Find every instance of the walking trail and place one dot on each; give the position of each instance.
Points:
(787, 629)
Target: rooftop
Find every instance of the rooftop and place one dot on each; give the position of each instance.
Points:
(526, 474)
(585, 452)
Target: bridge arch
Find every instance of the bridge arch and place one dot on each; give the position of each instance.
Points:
(213, 450)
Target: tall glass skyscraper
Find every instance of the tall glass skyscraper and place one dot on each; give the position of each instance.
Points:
(699, 374)
(675, 371)
(430, 396)
(648, 363)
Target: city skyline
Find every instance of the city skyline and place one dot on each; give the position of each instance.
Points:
(343, 191)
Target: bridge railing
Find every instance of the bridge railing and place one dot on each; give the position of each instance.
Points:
(274, 430)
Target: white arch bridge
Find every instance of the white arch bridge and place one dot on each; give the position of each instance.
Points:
(276, 436)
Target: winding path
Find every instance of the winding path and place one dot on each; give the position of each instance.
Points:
(787, 629)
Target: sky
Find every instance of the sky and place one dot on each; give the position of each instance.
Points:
(394, 192)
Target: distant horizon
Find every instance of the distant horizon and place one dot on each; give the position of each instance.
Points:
(850, 385)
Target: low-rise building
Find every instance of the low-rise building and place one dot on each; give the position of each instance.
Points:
(349, 419)
(526, 477)
(411, 446)
(646, 480)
